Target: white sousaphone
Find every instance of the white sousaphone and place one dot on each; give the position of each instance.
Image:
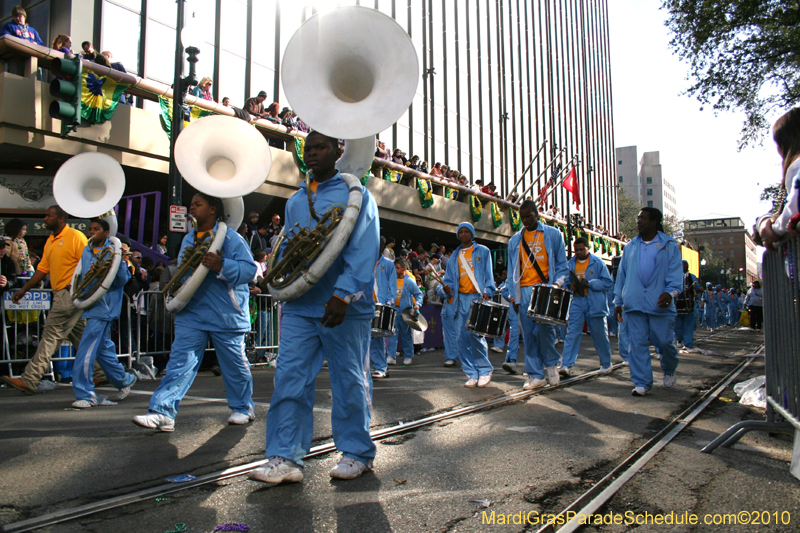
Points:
(89, 185)
(349, 73)
(224, 157)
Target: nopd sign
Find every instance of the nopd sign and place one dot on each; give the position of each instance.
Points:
(33, 301)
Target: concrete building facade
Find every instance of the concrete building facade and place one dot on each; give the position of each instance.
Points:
(728, 240)
(643, 180)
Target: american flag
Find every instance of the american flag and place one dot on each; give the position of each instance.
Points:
(550, 183)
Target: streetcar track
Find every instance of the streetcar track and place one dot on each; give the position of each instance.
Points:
(601, 492)
(676, 425)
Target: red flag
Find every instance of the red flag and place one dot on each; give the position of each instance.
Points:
(571, 184)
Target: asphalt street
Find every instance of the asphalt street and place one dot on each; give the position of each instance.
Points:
(531, 456)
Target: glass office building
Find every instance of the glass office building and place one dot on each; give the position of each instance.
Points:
(499, 78)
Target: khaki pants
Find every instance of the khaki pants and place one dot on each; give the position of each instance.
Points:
(63, 321)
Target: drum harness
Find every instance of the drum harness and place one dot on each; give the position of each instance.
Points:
(545, 279)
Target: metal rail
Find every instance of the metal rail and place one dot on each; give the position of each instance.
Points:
(591, 500)
(66, 515)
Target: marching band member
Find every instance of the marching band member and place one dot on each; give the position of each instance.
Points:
(684, 323)
(733, 308)
(589, 303)
(536, 254)
(218, 311)
(408, 296)
(710, 299)
(95, 342)
(383, 291)
(722, 309)
(333, 321)
(470, 272)
(699, 306)
(62, 251)
(648, 280)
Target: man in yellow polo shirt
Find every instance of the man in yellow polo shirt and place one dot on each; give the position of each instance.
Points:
(62, 252)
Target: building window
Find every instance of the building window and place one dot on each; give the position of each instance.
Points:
(649, 192)
(619, 162)
(620, 179)
(649, 180)
(731, 239)
(713, 240)
(731, 252)
(650, 203)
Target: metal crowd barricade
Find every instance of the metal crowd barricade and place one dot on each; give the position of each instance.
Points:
(22, 329)
(154, 328)
(266, 330)
(782, 347)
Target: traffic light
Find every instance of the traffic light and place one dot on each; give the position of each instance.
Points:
(68, 89)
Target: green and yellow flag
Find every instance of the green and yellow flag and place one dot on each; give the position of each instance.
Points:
(99, 97)
(391, 175)
(475, 207)
(196, 113)
(425, 192)
(299, 148)
(497, 215)
(516, 223)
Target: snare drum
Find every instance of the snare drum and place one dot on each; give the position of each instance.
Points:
(684, 304)
(550, 305)
(383, 321)
(487, 318)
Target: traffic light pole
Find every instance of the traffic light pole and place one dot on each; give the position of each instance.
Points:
(67, 89)
(179, 88)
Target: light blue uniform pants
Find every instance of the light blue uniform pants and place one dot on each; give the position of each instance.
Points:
(711, 317)
(96, 345)
(733, 311)
(539, 340)
(624, 346)
(401, 328)
(472, 349)
(597, 329)
(377, 353)
(290, 420)
(513, 336)
(684, 329)
(187, 353)
(450, 338)
(643, 330)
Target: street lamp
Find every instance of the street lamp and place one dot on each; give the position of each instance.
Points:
(189, 37)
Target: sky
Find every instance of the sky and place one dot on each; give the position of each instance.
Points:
(698, 150)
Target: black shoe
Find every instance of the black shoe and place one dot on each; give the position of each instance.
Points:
(510, 367)
(216, 371)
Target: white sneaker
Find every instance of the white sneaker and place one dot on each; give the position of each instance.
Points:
(564, 371)
(612, 335)
(104, 401)
(534, 383)
(604, 370)
(484, 380)
(559, 341)
(449, 362)
(406, 361)
(640, 391)
(552, 375)
(124, 392)
(391, 361)
(82, 404)
(510, 367)
(46, 385)
(496, 349)
(240, 418)
(277, 470)
(669, 380)
(377, 374)
(471, 383)
(348, 468)
(155, 421)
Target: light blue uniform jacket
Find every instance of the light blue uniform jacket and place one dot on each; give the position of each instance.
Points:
(347, 277)
(599, 282)
(221, 302)
(110, 305)
(410, 293)
(629, 290)
(481, 264)
(556, 257)
(386, 278)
